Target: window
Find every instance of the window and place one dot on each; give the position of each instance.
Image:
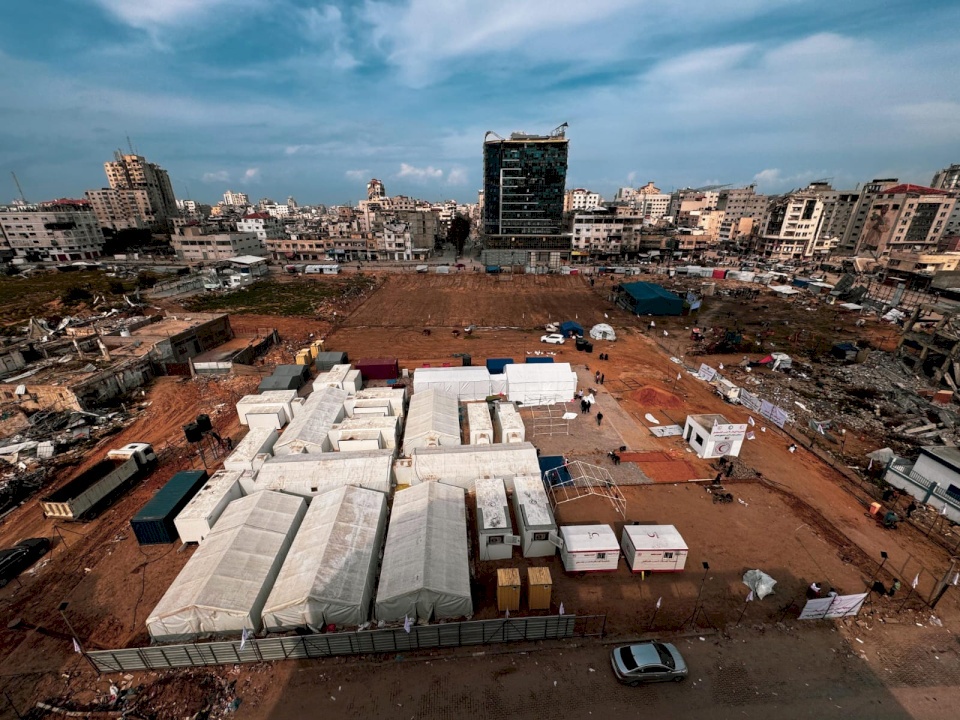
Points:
(541, 536)
(668, 556)
(601, 556)
(495, 540)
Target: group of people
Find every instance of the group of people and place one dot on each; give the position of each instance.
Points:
(598, 377)
(603, 356)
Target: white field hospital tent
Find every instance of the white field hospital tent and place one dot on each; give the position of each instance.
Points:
(540, 384)
(465, 383)
(222, 588)
(425, 571)
(308, 431)
(602, 332)
(310, 475)
(328, 576)
(464, 465)
(433, 419)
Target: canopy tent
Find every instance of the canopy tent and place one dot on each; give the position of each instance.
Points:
(643, 298)
(462, 466)
(540, 384)
(433, 419)
(223, 587)
(602, 331)
(308, 431)
(464, 383)
(570, 327)
(314, 474)
(425, 571)
(328, 576)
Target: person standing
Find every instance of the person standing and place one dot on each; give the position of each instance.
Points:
(602, 376)
(599, 418)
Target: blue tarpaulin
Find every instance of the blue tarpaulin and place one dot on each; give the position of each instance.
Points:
(553, 470)
(570, 326)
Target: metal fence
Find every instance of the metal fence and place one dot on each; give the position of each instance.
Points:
(420, 637)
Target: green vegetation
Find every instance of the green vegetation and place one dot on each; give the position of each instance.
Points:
(24, 297)
(298, 297)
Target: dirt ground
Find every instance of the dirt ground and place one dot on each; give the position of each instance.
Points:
(816, 519)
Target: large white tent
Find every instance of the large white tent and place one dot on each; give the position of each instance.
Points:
(466, 383)
(540, 384)
(433, 419)
(602, 331)
(329, 574)
(223, 587)
(258, 442)
(314, 474)
(425, 570)
(308, 431)
(462, 466)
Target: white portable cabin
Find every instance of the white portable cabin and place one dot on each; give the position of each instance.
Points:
(198, 516)
(480, 423)
(510, 428)
(494, 526)
(330, 570)
(251, 452)
(540, 383)
(309, 430)
(309, 475)
(589, 548)
(366, 432)
(712, 435)
(274, 408)
(343, 377)
(433, 419)
(653, 548)
(222, 588)
(534, 517)
(377, 401)
(425, 573)
(463, 465)
(465, 383)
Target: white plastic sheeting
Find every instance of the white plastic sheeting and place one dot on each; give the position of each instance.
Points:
(198, 517)
(465, 383)
(540, 384)
(312, 475)
(328, 576)
(259, 441)
(268, 402)
(309, 429)
(392, 398)
(462, 466)
(385, 429)
(223, 587)
(425, 572)
(433, 419)
(602, 331)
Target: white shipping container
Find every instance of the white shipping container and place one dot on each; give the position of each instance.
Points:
(653, 548)
(481, 426)
(198, 517)
(589, 548)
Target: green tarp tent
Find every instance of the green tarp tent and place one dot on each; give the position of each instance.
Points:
(643, 298)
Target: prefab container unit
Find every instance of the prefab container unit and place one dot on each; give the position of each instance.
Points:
(494, 526)
(712, 435)
(534, 517)
(340, 376)
(533, 360)
(496, 365)
(425, 573)
(276, 403)
(277, 382)
(329, 575)
(155, 523)
(540, 384)
(251, 452)
(464, 383)
(384, 429)
(379, 368)
(433, 419)
(312, 475)
(326, 360)
(300, 371)
(589, 548)
(369, 398)
(653, 548)
(223, 587)
(198, 517)
(309, 430)
(510, 427)
(480, 423)
(463, 465)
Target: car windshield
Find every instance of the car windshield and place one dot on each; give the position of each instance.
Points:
(665, 657)
(626, 657)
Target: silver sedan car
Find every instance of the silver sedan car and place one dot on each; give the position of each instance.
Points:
(647, 662)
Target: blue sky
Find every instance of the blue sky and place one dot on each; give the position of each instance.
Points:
(310, 99)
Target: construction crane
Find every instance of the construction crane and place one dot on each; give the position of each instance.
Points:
(711, 188)
(19, 189)
(560, 130)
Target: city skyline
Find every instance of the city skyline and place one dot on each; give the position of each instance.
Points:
(312, 100)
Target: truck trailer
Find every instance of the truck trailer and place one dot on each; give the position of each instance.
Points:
(94, 488)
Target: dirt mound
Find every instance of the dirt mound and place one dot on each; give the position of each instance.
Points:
(650, 396)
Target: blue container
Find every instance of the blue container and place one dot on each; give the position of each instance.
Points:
(495, 366)
(153, 525)
(535, 360)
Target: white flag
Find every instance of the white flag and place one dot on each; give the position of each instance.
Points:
(870, 466)
(763, 429)
(751, 435)
(659, 599)
(561, 609)
(406, 624)
(76, 645)
(916, 581)
(944, 510)
(956, 579)
(678, 376)
(243, 638)
(750, 421)
(508, 612)
(721, 366)
(820, 429)
(750, 596)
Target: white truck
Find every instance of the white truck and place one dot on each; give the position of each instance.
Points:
(95, 487)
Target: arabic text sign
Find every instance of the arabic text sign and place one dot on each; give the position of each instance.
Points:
(837, 606)
(706, 372)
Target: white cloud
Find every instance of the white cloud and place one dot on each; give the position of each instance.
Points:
(152, 14)
(457, 176)
(216, 176)
(325, 26)
(419, 174)
(768, 177)
(251, 174)
(357, 175)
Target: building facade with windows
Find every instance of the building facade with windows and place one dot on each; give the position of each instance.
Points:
(56, 231)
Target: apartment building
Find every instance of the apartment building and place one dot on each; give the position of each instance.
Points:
(194, 245)
(851, 238)
(790, 227)
(56, 231)
(580, 199)
(906, 218)
(265, 226)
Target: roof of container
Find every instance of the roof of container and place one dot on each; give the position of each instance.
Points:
(268, 396)
(492, 500)
(532, 496)
(252, 444)
(312, 424)
(210, 495)
(587, 538)
(478, 416)
(655, 537)
(167, 497)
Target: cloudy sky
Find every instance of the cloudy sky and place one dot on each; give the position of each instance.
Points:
(310, 99)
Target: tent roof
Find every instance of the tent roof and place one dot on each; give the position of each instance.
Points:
(210, 495)
(309, 475)
(602, 331)
(312, 424)
(333, 557)
(464, 464)
(432, 413)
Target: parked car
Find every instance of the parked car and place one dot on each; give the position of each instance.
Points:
(553, 339)
(647, 662)
(15, 560)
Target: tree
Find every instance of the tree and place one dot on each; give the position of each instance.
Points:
(458, 232)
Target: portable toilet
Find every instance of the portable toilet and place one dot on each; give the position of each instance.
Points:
(508, 589)
(534, 517)
(539, 587)
(494, 527)
(653, 548)
(589, 548)
(481, 426)
(509, 423)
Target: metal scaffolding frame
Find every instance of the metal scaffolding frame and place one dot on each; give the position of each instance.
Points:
(548, 419)
(584, 480)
